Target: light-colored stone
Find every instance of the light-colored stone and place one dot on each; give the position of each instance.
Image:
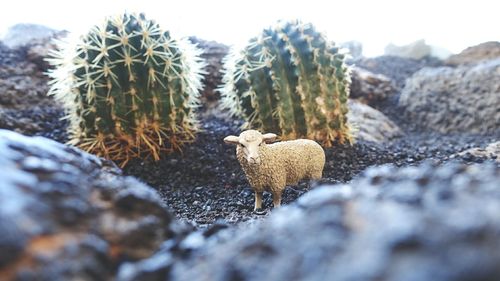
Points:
(371, 124)
(416, 50)
(484, 51)
(491, 151)
(463, 99)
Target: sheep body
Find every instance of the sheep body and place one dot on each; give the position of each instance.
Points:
(283, 163)
(279, 164)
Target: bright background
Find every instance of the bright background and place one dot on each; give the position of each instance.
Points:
(453, 25)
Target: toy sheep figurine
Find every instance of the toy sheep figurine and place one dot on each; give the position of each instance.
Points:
(271, 167)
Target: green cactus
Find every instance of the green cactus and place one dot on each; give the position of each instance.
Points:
(129, 89)
(292, 81)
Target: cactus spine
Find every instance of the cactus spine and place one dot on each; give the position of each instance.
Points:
(290, 80)
(129, 89)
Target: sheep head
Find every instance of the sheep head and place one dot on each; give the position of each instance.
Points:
(250, 142)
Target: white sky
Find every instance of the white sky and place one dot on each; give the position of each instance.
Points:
(453, 25)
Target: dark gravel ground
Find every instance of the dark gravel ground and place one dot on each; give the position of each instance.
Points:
(39, 121)
(205, 183)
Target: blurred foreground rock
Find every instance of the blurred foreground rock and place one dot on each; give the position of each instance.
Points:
(67, 215)
(416, 223)
(464, 99)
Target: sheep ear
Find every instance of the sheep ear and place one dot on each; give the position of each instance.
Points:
(232, 140)
(269, 137)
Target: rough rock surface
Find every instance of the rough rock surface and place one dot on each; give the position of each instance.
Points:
(415, 50)
(24, 104)
(370, 87)
(24, 33)
(415, 223)
(396, 68)
(37, 51)
(371, 124)
(67, 215)
(491, 151)
(214, 54)
(475, 54)
(463, 99)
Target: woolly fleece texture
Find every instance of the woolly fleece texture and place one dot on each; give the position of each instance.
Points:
(271, 167)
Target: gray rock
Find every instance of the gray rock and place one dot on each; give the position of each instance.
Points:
(475, 54)
(213, 53)
(491, 152)
(67, 215)
(462, 99)
(398, 69)
(24, 104)
(370, 87)
(22, 34)
(371, 124)
(151, 269)
(38, 50)
(417, 50)
(417, 223)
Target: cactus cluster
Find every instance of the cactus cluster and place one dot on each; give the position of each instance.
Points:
(290, 80)
(129, 88)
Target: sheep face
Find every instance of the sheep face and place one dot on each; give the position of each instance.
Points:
(249, 142)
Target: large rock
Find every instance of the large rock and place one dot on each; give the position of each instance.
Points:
(370, 87)
(416, 50)
(67, 215)
(38, 50)
(371, 124)
(463, 99)
(35, 42)
(398, 69)
(24, 104)
(24, 33)
(417, 223)
(214, 54)
(475, 54)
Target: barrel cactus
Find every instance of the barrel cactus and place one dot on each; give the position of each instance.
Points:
(290, 80)
(129, 88)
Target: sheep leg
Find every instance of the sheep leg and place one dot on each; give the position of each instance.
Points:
(277, 199)
(258, 201)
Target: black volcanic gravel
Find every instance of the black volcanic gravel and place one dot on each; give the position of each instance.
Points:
(39, 121)
(206, 183)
